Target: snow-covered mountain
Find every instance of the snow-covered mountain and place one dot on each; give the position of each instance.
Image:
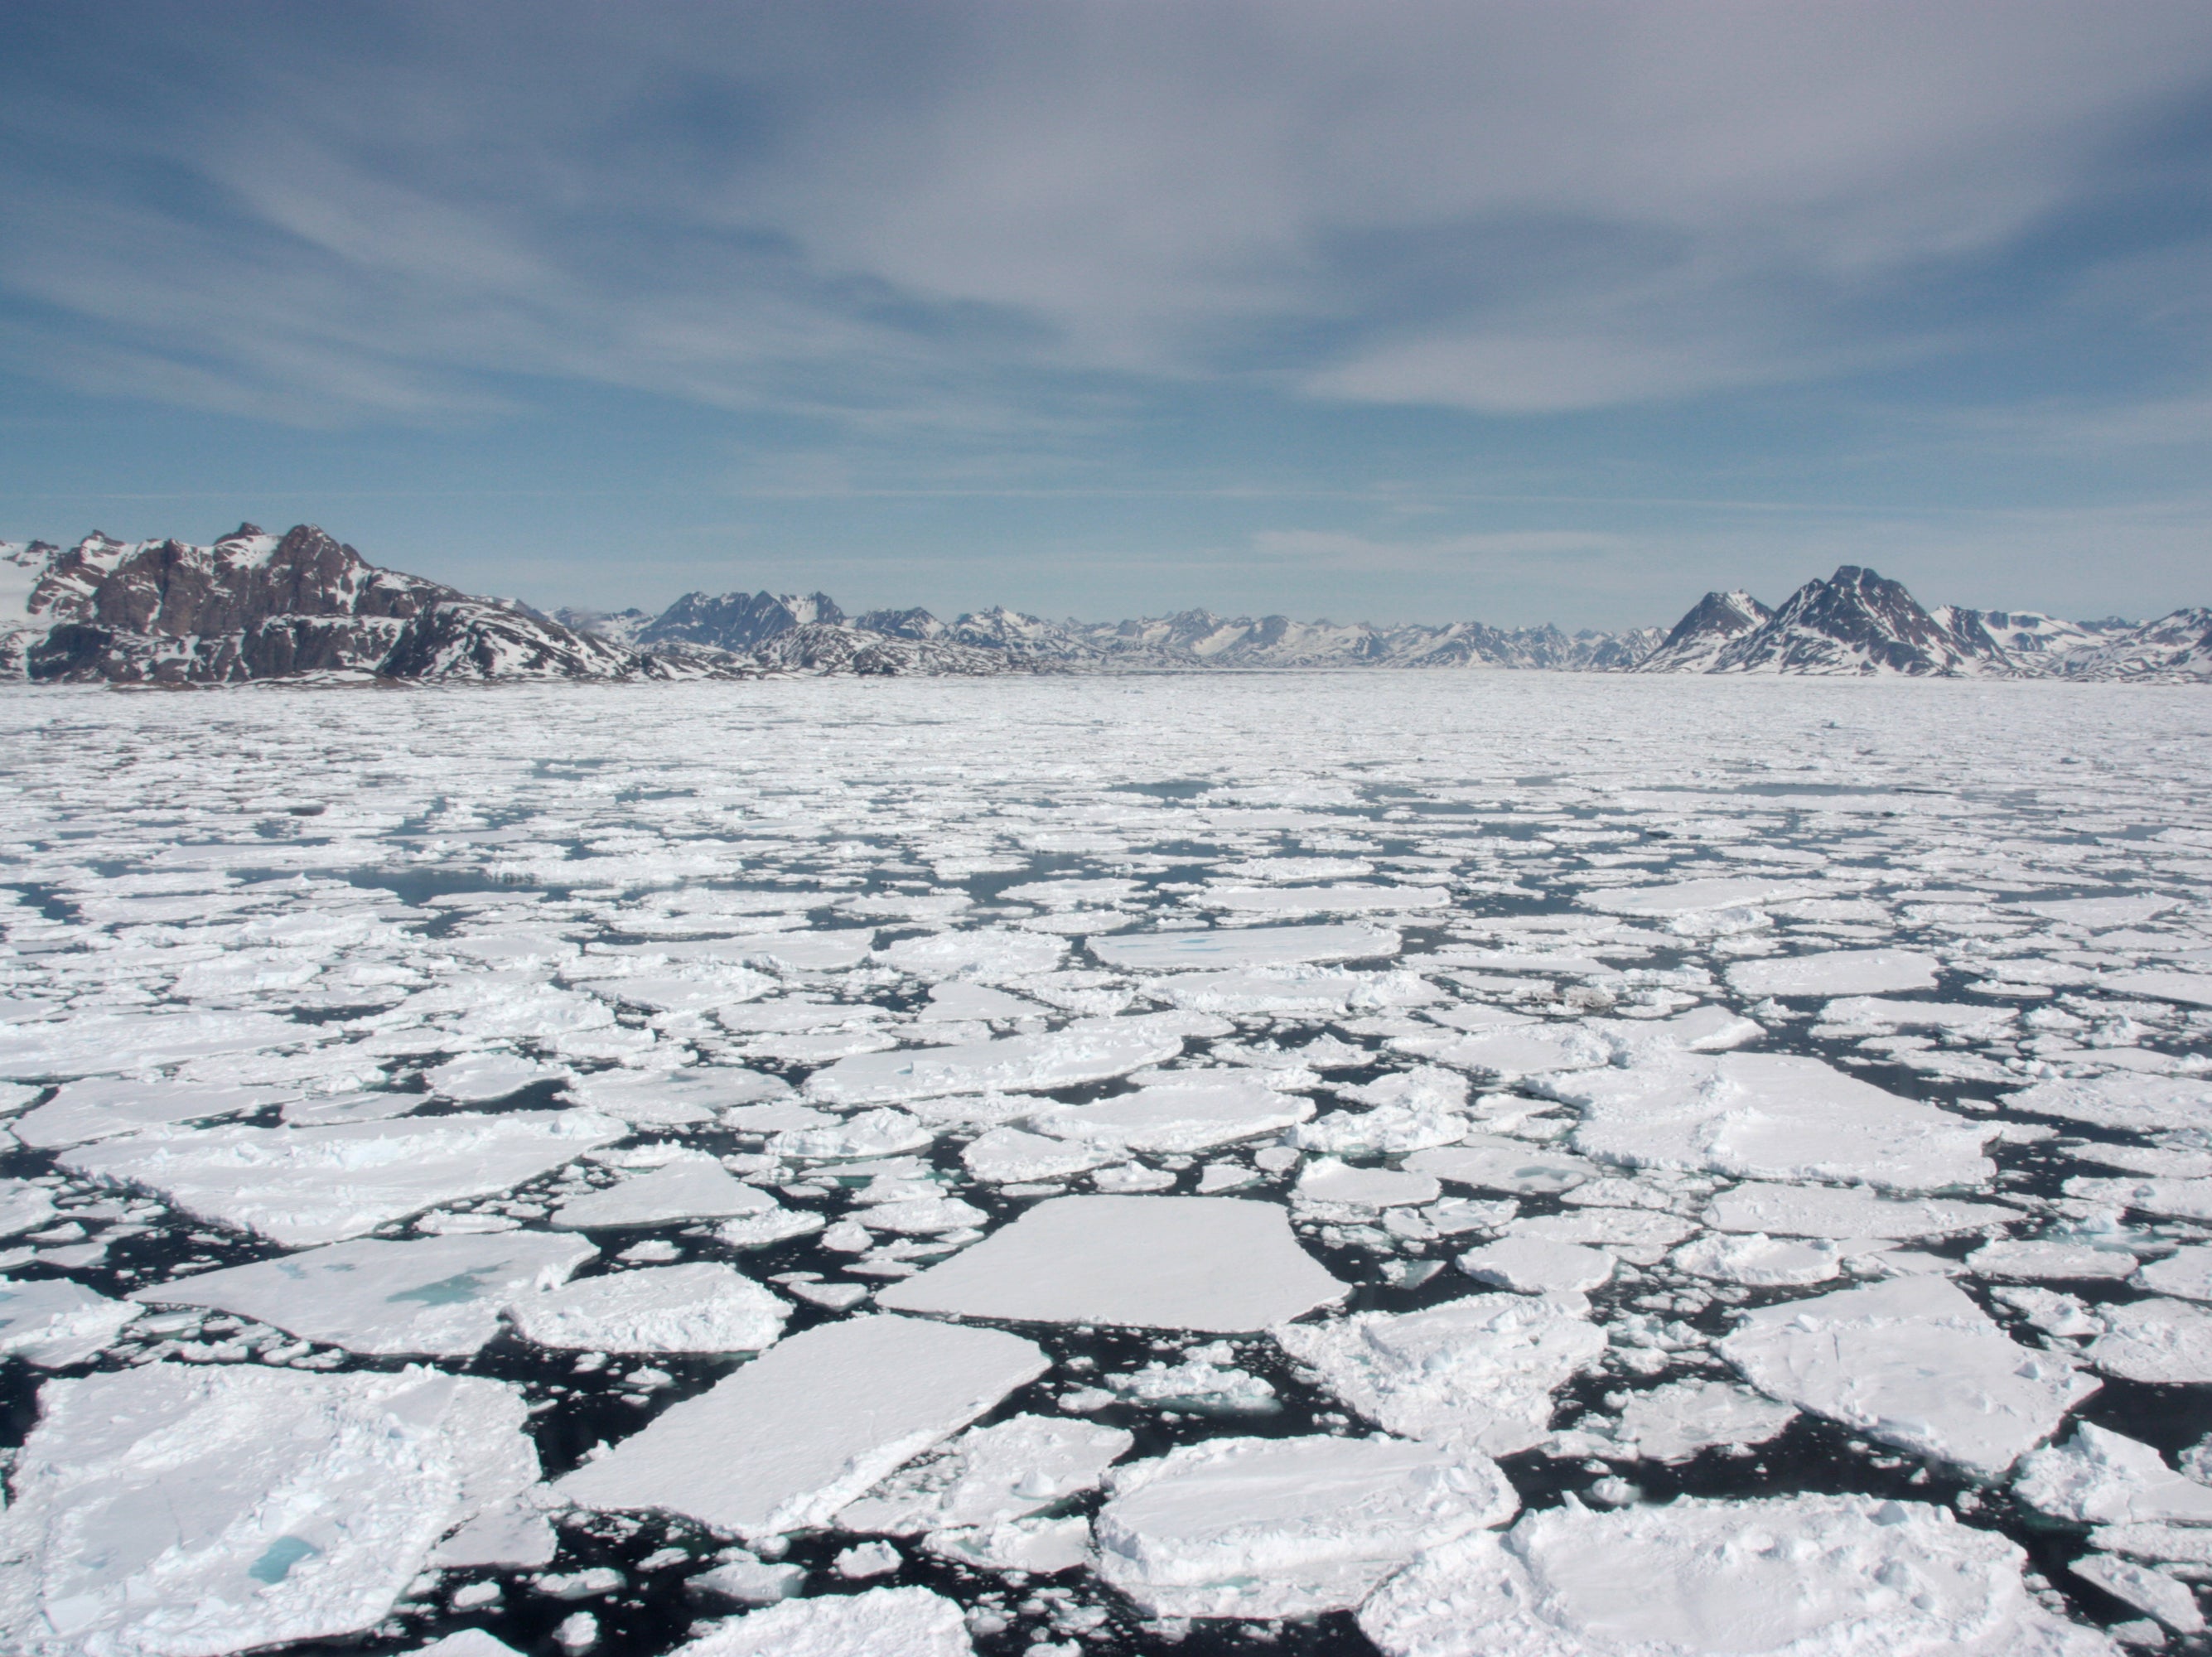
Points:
(254, 605)
(1714, 623)
(787, 631)
(1858, 623)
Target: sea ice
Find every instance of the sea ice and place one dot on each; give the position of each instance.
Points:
(2163, 1342)
(1207, 1110)
(1498, 1164)
(436, 1297)
(1693, 896)
(2099, 1478)
(1835, 972)
(880, 1623)
(479, 1077)
(105, 1108)
(688, 1188)
(674, 1099)
(23, 1207)
(1225, 947)
(1276, 1527)
(2186, 1272)
(52, 1322)
(1841, 1213)
(2133, 1103)
(1222, 1265)
(987, 954)
(703, 1307)
(1533, 1265)
(1007, 1155)
(1772, 1116)
(808, 1425)
(1016, 1467)
(1324, 1179)
(314, 1185)
(1788, 1576)
(2144, 1589)
(1477, 1371)
(175, 1511)
(2041, 1260)
(1674, 1422)
(1912, 1363)
(1095, 1051)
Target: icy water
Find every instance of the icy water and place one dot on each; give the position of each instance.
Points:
(1303, 1129)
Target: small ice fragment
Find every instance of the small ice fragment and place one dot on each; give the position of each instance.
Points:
(866, 1559)
(747, 1581)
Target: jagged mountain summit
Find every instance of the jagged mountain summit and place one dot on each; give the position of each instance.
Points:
(254, 605)
(1858, 623)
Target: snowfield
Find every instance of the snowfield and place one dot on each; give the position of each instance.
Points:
(1333, 1162)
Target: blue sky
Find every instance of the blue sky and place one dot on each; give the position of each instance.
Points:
(1520, 311)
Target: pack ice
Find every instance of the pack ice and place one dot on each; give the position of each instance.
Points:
(171, 1511)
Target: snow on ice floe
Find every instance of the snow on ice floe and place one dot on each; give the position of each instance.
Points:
(2164, 1342)
(2140, 1104)
(702, 1306)
(674, 1100)
(2099, 1477)
(1689, 897)
(1221, 1265)
(175, 1511)
(1912, 1363)
(1010, 1470)
(1477, 1371)
(810, 1425)
(1094, 1051)
(118, 1043)
(438, 1296)
(1537, 1266)
(686, 1188)
(1008, 1156)
(1277, 1528)
(1772, 1116)
(1757, 1260)
(1674, 1422)
(1788, 1576)
(1846, 1211)
(1835, 972)
(52, 1322)
(1500, 1164)
(2192, 989)
(881, 1622)
(312, 1185)
(1231, 947)
(106, 1107)
(1196, 1114)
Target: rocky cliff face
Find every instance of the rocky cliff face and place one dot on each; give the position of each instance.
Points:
(257, 606)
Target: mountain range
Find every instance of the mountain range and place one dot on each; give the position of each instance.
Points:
(253, 605)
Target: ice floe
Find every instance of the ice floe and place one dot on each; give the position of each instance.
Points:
(687, 1189)
(435, 1296)
(1010, 1470)
(52, 1322)
(1835, 972)
(1091, 1052)
(1675, 1422)
(312, 1185)
(1912, 1363)
(1478, 1372)
(2099, 1477)
(1277, 1528)
(1788, 1576)
(808, 1425)
(881, 1622)
(174, 1511)
(1238, 947)
(702, 1306)
(1222, 1265)
(1178, 1116)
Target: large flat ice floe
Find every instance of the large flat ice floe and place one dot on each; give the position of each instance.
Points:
(1836, 971)
(168, 1511)
(808, 1425)
(1096, 1051)
(314, 1185)
(1225, 947)
(1221, 1265)
(436, 1297)
(1274, 1527)
(1770, 1116)
(1793, 1576)
(1914, 1363)
(1479, 1372)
